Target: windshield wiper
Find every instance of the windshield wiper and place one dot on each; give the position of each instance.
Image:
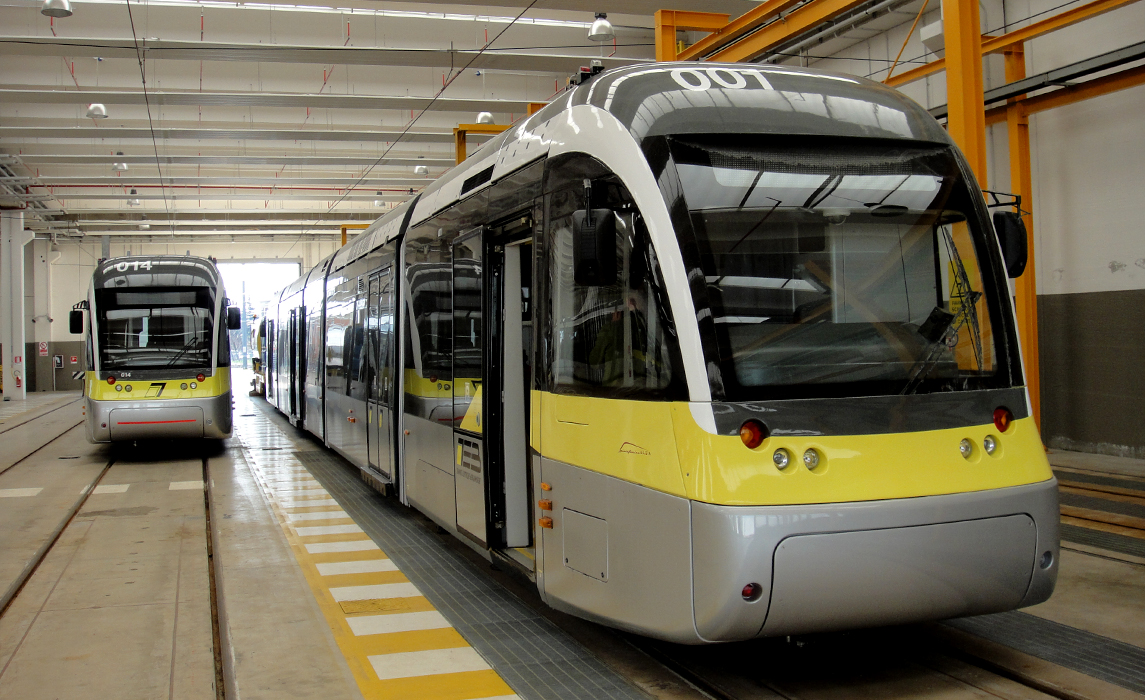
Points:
(191, 344)
(942, 327)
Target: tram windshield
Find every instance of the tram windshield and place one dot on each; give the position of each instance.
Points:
(837, 267)
(155, 327)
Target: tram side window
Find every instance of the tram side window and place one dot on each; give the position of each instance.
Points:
(616, 339)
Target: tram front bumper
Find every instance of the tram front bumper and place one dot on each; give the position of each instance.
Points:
(114, 421)
(864, 564)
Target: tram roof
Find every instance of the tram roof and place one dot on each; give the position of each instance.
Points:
(155, 271)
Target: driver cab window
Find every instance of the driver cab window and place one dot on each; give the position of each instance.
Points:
(612, 331)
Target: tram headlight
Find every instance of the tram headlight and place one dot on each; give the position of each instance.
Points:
(781, 457)
(183, 386)
(127, 388)
(989, 444)
(966, 448)
(119, 387)
(194, 385)
(811, 458)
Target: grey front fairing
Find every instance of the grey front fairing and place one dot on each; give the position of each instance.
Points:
(675, 569)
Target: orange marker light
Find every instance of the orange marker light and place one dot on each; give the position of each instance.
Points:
(753, 433)
(545, 504)
(546, 487)
(546, 523)
(1003, 417)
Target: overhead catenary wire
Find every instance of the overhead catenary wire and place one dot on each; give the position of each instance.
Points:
(147, 102)
(413, 121)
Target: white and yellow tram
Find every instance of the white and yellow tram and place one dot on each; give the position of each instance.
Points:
(711, 352)
(157, 346)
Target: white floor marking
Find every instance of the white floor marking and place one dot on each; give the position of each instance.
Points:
(367, 566)
(397, 622)
(185, 486)
(378, 590)
(297, 503)
(19, 493)
(427, 663)
(327, 530)
(352, 546)
(328, 515)
(111, 488)
(309, 490)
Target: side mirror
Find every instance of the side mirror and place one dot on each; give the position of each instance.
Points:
(75, 321)
(234, 318)
(1011, 232)
(594, 247)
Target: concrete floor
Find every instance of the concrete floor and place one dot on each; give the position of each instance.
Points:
(307, 605)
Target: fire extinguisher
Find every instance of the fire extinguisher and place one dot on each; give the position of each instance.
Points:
(19, 376)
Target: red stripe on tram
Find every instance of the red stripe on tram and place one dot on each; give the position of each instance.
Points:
(155, 422)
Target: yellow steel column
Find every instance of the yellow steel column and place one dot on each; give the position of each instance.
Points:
(1025, 287)
(665, 35)
(966, 121)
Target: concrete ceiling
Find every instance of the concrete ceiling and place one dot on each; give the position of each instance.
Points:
(264, 117)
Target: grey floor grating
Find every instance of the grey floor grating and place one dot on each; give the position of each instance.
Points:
(1100, 480)
(1104, 540)
(1101, 657)
(536, 658)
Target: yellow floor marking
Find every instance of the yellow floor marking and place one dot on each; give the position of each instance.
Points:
(386, 605)
(294, 510)
(469, 685)
(1083, 490)
(1103, 527)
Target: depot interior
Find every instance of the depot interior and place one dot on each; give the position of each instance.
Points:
(270, 133)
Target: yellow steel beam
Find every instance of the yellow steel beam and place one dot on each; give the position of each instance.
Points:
(347, 227)
(731, 31)
(668, 22)
(1021, 183)
(796, 22)
(999, 44)
(1066, 96)
(534, 107)
(463, 130)
(966, 121)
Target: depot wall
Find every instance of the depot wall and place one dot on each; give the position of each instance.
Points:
(1087, 162)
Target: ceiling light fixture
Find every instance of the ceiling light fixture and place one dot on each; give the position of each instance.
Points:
(379, 202)
(56, 8)
(134, 201)
(421, 170)
(484, 118)
(120, 166)
(96, 111)
(601, 29)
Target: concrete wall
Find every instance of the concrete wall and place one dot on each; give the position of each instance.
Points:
(1088, 159)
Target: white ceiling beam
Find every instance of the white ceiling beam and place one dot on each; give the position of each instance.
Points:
(251, 134)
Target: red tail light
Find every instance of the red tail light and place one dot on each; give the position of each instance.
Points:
(111, 380)
(753, 433)
(1003, 418)
(200, 377)
(752, 591)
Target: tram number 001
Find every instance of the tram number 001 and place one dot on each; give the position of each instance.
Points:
(730, 78)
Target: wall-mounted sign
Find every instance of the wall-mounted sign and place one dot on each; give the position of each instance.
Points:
(75, 360)
(58, 361)
(43, 349)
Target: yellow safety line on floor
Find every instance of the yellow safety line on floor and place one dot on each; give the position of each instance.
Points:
(395, 643)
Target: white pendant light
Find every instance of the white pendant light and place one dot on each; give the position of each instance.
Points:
(421, 170)
(379, 202)
(601, 29)
(119, 167)
(56, 8)
(134, 201)
(96, 111)
(484, 118)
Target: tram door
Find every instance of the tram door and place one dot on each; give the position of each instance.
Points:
(292, 369)
(468, 379)
(382, 359)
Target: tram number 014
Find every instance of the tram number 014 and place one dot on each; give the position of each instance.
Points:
(135, 265)
(730, 78)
